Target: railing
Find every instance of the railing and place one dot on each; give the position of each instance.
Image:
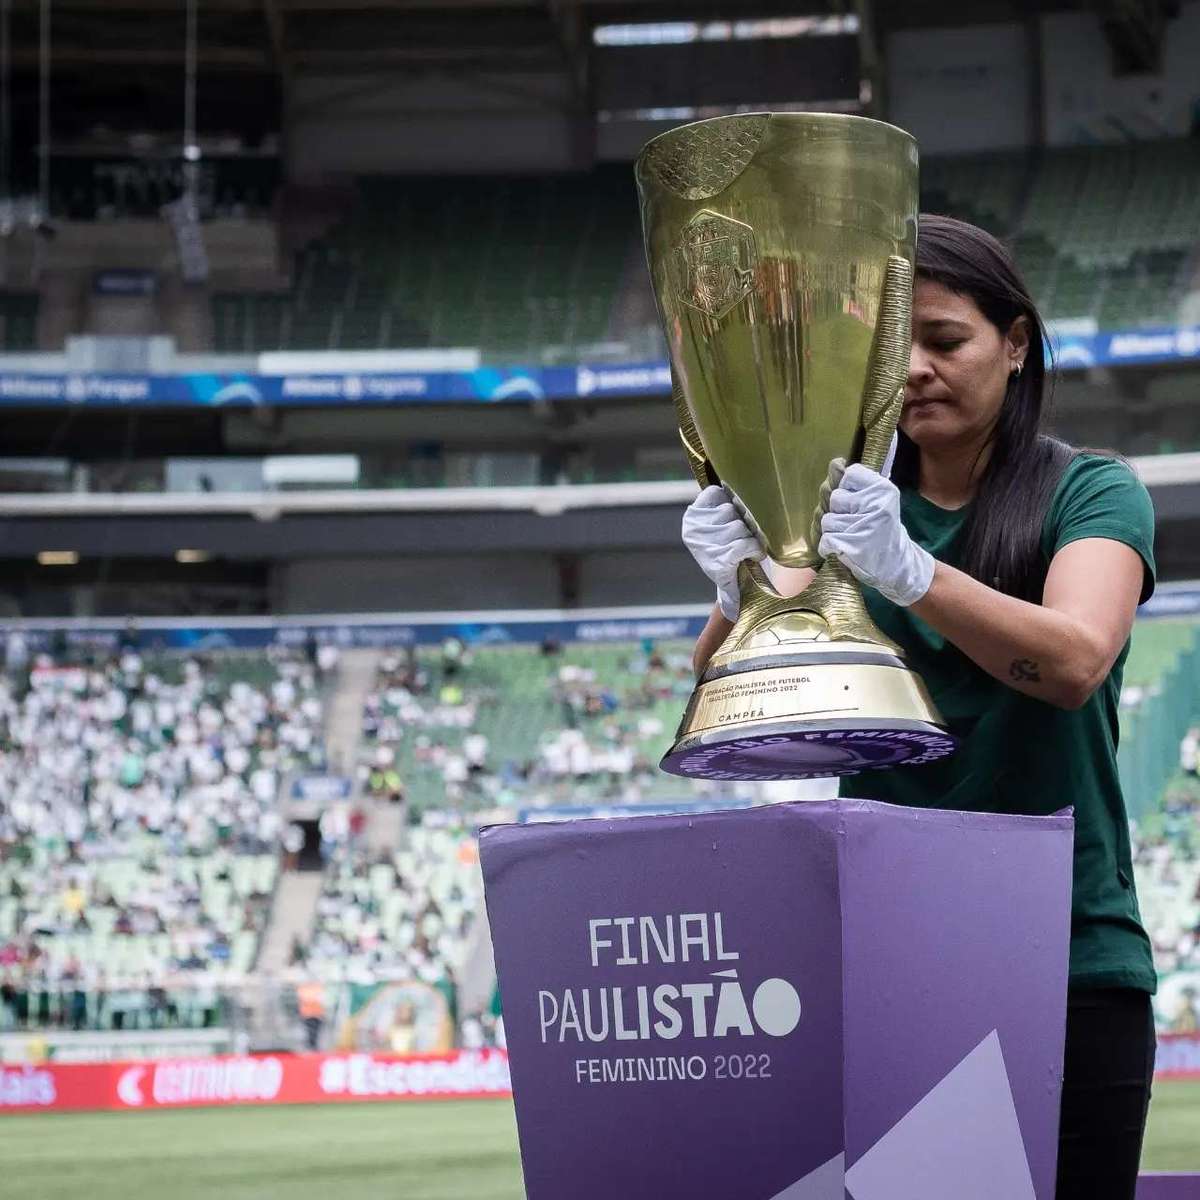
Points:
(265, 1011)
(663, 484)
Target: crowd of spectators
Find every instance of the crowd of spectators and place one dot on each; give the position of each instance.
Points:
(395, 915)
(140, 829)
(471, 736)
(1167, 862)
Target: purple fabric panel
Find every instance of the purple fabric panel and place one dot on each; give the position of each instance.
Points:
(954, 925)
(771, 874)
(1169, 1186)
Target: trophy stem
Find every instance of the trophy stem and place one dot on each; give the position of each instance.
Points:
(830, 609)
(835, 594)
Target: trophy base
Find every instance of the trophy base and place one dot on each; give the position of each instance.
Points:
(835, 709)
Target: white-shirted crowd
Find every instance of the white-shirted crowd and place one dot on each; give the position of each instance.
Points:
(140, 829)
(531, 728)
(402, 915)
(1167, 861)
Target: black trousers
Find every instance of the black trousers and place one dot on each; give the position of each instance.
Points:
(1106, 1092)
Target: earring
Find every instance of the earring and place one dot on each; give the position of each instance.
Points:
(1017, 367)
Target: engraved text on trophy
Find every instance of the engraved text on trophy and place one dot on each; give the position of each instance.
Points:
(715, 262)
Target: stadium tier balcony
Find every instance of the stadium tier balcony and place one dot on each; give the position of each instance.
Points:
(117, 186)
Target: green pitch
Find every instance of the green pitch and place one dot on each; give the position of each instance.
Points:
(451, 1151)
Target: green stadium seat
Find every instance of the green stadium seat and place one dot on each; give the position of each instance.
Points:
(18, 322)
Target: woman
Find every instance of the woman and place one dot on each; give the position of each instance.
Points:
(1008, 566)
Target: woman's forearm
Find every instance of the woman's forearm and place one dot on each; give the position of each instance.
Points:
(1035, 650)
(711, 636)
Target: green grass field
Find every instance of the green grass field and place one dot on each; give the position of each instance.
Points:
(450, 1151)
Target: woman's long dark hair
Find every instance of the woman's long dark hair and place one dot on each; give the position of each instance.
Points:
(1001, 535)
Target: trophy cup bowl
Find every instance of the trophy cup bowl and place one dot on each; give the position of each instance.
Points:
(781, 250)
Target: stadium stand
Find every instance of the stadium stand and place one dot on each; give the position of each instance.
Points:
(140, 841)
(1160, 700)
(1160, 735)
(1167, 866)
(1104, 231)
(518, 262)
(139, 834)
(519, 726)
(400, 916)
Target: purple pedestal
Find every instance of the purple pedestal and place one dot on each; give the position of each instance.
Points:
(785, 1003)
(1169, 1186)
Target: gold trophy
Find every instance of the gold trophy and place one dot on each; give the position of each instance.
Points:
(781, 249)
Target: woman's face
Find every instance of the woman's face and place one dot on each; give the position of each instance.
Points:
(958, 369)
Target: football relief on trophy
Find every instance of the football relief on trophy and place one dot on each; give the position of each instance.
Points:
(781, 250)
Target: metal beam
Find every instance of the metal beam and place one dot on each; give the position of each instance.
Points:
(430, 57)
(232, 58)
(286, 6)
(274, 18)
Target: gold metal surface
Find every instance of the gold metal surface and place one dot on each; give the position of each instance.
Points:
(817, 691)
(781, 248)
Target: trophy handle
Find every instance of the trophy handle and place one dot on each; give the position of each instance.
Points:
(702, 469)
(883, 393)
(752, 579)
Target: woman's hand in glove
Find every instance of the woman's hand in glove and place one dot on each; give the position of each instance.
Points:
(718, 539)
(863, 528)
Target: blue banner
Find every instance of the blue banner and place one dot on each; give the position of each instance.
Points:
(322, 789)
(190, 635)
(252, 633)
(486, 384)
(1154, 344)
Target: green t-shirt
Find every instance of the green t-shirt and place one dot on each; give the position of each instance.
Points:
(1021, 755)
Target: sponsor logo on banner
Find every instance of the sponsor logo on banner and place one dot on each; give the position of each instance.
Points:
(465, 1074)
(1178, 1056)
(253, 1079)
(354, 388)
(643, 377)
(27, 1087)
(201, 1081)
(322, 789)
(1154, 344)
(609, 631)
(241, 391)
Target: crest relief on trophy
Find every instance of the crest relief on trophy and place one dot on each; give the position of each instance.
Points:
(714, 263)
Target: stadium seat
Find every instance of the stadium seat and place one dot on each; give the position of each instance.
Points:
(18, 322)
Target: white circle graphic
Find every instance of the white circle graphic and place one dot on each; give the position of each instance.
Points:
(776, 1007)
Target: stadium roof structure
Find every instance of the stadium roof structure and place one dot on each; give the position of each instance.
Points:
(274, 40)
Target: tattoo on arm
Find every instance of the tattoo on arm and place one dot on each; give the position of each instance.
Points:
(1024, 670)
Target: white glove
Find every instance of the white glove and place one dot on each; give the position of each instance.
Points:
(718, 539)
(862, 527)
